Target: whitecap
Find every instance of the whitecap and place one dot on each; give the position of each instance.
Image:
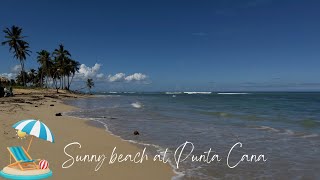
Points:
(197, 92)
(267, 128)
(137, 105)
(310, 136)
(289, 132)
(231, 93)
(173, 92)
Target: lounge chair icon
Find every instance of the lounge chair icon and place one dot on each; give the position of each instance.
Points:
(24, 166)
(22, 158)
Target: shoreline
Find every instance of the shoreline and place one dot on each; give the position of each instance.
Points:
(101, 125)
(36, 104)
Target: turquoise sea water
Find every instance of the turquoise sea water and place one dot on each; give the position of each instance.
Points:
(285, 127)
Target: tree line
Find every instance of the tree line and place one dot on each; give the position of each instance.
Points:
(57, 68)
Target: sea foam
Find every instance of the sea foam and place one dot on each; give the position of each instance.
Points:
(232, 93)
(137, 105)
(197, 92)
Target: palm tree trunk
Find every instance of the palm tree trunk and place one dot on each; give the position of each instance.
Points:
(55, 81)
(65, 86)
(56, 84)
(41, 80)
(63, 82)
(47, 77)
(22, 72)
(68, 83)
(71, 80)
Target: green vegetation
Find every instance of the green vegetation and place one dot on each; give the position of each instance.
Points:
(56, 70)
(17, 45)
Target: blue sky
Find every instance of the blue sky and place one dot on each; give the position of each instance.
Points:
(179, 45)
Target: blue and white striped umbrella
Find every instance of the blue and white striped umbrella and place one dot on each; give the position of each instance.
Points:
(35, 128)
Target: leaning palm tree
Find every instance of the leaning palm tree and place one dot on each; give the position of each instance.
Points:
(17, 45)
(72, 68)
(90, 84)
(45, 61)
(62, 57)
(55, 75)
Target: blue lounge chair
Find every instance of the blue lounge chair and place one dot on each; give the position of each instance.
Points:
(22, 158)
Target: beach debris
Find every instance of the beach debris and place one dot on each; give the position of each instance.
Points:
(51, 104)
(136, 133)
(51, 96)
(58, 114)
(35, 106)
(8, 92)
(1, 92)
(4, 80)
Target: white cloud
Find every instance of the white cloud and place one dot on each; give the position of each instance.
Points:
(100, 76)
(9, 75)
(86, 72)
(121, 77)
(15, 70)
(136, 77)
(117, 77)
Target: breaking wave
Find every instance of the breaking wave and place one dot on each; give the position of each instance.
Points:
(137, 105)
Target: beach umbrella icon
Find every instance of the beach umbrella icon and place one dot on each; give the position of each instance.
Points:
(35, 128)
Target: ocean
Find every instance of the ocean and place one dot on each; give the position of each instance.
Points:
(284, 127)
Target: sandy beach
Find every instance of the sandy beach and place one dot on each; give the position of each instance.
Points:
(43, 105)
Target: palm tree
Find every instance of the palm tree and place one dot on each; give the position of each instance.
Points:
(45, 61)
(62, 58)
(72, 68)
(19, 78)
(55, 75)
(17, 45)
(39, 77)
(32, 76)
(90, 84)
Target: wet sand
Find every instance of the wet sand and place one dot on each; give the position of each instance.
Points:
(43, 105)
